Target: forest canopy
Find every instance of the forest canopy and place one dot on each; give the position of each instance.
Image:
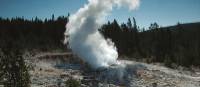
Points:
(179, 44)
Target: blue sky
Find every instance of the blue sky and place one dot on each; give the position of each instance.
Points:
(164, 12)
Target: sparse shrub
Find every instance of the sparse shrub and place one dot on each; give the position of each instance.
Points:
(14, 72)
(72, 83)
(168, 62)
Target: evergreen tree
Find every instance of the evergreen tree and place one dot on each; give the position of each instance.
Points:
(14, 72)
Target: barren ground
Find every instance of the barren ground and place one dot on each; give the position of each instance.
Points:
(53, 69)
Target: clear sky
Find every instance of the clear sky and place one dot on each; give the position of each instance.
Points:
(164, 12)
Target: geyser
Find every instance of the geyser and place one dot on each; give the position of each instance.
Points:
(82, 33)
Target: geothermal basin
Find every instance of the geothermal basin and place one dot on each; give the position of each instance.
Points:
(54, 70)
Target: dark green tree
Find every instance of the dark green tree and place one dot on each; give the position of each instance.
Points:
(14, 72)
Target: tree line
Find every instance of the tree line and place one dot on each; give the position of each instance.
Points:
(179, 44)
(36, 33)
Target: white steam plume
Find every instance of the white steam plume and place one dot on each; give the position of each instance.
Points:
(83, 36)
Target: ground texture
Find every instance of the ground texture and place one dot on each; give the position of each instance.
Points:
(53, 69)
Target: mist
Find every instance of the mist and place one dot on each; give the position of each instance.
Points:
(82, 33)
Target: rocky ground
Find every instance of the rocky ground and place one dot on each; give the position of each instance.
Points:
(53, 69)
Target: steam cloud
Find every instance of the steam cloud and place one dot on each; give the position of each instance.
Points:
(82, 33)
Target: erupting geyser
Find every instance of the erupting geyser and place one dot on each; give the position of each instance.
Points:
(83, 36)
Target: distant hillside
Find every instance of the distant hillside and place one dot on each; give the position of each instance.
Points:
(191, 26)
(178, 44)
